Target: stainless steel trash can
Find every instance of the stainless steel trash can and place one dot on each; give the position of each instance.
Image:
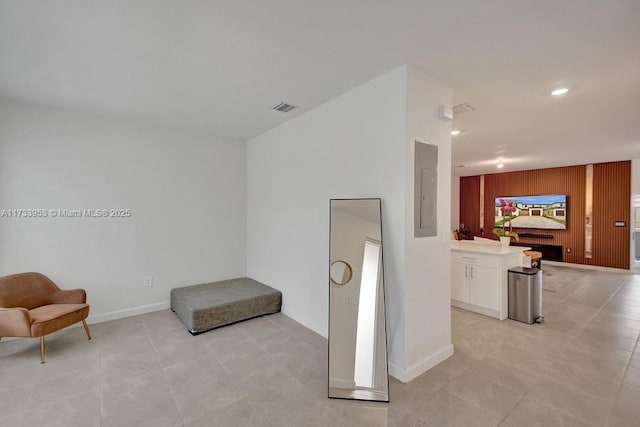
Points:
(525, 294)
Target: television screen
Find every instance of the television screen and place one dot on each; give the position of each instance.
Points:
(545, 212)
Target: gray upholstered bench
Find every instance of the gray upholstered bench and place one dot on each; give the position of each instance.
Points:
(210, 305)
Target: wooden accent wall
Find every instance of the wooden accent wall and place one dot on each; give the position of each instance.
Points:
(566, 180)
(611, 203)
(470, 203)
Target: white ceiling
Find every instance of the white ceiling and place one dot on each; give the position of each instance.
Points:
(219, 66)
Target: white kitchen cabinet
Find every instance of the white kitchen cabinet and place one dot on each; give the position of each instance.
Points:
(482, 287)
(459, 282)
(479, 276)
(475, 284)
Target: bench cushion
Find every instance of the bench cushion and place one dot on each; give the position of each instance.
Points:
(210, 305)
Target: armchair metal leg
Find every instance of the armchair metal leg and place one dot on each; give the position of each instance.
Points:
(86, 328)
(41, 350)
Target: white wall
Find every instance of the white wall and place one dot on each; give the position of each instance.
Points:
(186, 193)
(428, 271)
(357, 145)
(352, 146)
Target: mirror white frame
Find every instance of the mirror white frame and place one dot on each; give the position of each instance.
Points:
(357, 367)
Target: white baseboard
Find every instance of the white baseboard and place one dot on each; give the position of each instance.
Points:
(584, 266)
(406, 375)
(476, 308)
(128, 312)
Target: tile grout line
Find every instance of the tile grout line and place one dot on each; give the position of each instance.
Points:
(229, 372)
(613, 294)
(35, 384)
(598, 311)
(626, 369)
(251, 404)
(518, 402)
(164, 374)
(100, 380)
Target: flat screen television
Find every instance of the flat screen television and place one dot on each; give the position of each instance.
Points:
(542, 212)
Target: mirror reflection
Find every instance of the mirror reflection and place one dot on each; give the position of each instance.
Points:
(340, 272)
(357, 331)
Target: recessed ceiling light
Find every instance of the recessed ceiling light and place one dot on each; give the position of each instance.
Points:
(500, 165)
(560, 91)
(455, 132)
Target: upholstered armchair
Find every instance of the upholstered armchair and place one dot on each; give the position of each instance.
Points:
(31, 305)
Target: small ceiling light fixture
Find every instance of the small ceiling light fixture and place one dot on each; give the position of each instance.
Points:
(455, 132)
(500, 165)
(559, 91)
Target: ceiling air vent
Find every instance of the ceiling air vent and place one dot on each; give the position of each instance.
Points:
(284, 107)
(462, 108)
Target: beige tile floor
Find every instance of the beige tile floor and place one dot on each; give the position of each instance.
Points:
(580, 368)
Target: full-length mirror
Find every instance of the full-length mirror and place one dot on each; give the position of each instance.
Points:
(357, 330)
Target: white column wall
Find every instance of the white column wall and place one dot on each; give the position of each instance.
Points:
(428, 271)
(357, 145)
(349, 147)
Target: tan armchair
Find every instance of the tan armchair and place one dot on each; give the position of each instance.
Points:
(31, 305)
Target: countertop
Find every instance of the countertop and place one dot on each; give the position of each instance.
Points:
(485, 248)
